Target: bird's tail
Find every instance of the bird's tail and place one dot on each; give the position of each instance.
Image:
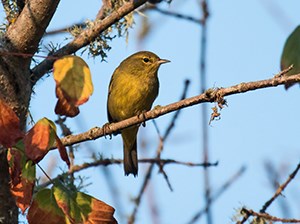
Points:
(130, 151)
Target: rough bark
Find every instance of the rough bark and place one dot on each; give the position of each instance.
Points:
(22, 37)
(8, 208)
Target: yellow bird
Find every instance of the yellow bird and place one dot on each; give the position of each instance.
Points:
(133, 88)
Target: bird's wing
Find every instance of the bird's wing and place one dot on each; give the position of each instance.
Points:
(110, 119)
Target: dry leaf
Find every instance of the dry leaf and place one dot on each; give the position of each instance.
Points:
(64, 106)
(62, 151)
(44, 207)
(10, 131)
(40, 138)
(73, 84)
(79, 207)
(22, 177)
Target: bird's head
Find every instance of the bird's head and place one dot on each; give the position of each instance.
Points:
(142, 63)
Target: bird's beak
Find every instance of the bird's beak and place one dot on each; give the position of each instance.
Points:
(163, 61)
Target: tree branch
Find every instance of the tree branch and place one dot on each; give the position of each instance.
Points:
(175, 14)
(247, 213)
(87, 36)
(265, 216)
(26, 32)
(210, 95)
(280, 189)
(107, 162)
(218, 193)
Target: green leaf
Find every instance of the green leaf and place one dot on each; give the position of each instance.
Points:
(44, 207)
(291, 54)
(79, 207)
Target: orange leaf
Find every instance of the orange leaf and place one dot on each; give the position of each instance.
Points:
(22, 178)
(39, 139)
(64, 106)
(73, 81)
(44, 207)
(10, 131)
(100, 212)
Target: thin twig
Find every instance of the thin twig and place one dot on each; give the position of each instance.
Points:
(204, 114)
(210, 95)
(218, 193)
(280, 189)
(107, 162)
(247, 213)
(175, 14)
(273, 176)
(66, 131)
(265, 216)
(86, 36)
(158, 153)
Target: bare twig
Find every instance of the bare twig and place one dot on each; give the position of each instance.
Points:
(210, 95)
(107, 162)
(86, 36)
(158, 153)
(218, 193)
(273, 176)
(204, 115)
(280, 189)
(265, 216)
(66, 131)
(174, 14)
(262, 213)
(65, 29)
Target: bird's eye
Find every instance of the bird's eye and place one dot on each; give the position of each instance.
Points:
(146, 60)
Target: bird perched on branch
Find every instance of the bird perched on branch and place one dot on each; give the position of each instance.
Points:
(133, 88)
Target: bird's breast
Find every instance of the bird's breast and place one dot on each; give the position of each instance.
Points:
(133, 96)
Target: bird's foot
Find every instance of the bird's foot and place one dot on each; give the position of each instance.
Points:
(143, 116)
(106, 128)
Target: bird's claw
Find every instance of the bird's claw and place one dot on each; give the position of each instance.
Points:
(106, 128)
(143, 116)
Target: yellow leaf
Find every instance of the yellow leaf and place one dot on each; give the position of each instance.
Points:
(72, 75)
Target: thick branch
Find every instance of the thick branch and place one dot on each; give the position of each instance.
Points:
(87, 36)
(210, 95)
(26, 32)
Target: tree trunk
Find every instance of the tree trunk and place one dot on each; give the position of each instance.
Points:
(8, 208)
(15, 90)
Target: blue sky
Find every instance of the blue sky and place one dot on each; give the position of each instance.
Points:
(245, 41)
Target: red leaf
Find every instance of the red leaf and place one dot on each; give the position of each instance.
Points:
(37, 142)
(62, 151)
(65, 106)
(22, 178)
(10, 131)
